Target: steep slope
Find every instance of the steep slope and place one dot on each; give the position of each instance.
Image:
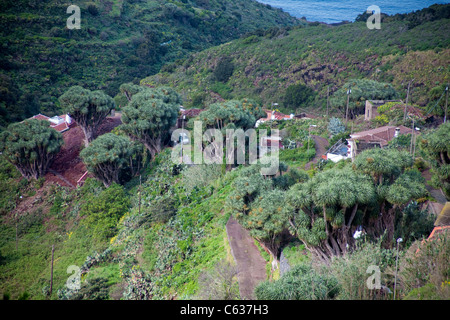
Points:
(118, 41)
(264, 65)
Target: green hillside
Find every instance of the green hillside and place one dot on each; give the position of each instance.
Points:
(265, 64)
(119, 41)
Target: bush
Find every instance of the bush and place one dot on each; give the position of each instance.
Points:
(351, 271)
(224, 69)
(302, 282)
(200, 176)
(424, 269)
(104, 211)
(298, 95)
(220, 283)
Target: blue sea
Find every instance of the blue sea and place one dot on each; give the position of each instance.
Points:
(333, 11)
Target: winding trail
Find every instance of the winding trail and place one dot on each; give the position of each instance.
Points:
(251, 265)
(321, 145)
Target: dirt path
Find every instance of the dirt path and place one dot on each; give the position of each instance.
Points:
(321, 145)
(250, 263)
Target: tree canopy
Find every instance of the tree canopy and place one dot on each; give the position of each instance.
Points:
(232, 114)
(87, 108)
(325, 211)
(361, 90)
(437, 145)
(106, 156)
(149, 116)
(396, 185)
(31, 146)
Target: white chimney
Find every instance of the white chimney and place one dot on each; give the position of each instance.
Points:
(397, 132)
(68, 119)
(292, 116)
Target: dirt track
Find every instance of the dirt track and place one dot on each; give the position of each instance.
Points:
(68, 167)
(250, 263)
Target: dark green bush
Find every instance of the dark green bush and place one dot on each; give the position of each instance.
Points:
(302, 282)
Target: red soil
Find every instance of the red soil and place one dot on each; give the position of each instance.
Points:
(68, 166)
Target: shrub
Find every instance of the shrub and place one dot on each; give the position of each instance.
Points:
(224, 69)
(298, 95)
(351, 271)
(335, 126)
(424, 269)
(302, 282)
(104, 211)
(220, 283)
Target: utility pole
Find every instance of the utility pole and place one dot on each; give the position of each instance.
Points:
(396, 266)
(328, 98)
(407, 98)
(140, 191)
(51, 271)
(412, 137)
(348, 100)
(17, 237)
(446, 104)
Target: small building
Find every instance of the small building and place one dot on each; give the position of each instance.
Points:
(372, 108)
(375, 138)
(338, 152)
(273, 115)
(59, 123)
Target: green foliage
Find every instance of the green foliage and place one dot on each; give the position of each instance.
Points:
(436, 144)
(224, 69)
(302, 282)
(335, 126)
(231, 114)
(414, 224)
(220, 283)
(94, 289)
(199, 176)
(119, 42)
(104, 211)
(320, 57)
(257, 207)
(298, 96)
(351, 273)
(323, 209)
(30, 146)
(149, 116)
(361, 90)
(424, 269)
(87, 108)
(106, 156)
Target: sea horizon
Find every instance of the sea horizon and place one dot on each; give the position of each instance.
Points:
(335, 11)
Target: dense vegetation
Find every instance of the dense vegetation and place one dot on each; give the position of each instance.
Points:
(266, 65)
(149, 228)
(119, 41)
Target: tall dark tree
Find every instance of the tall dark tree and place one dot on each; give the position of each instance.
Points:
(396, 186)
(149, 116)
(361, 90)
(88, 108)
(325, 211)
(106, 156)
(31, 146)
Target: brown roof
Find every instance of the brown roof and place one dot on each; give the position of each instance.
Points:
(443, 218)
(382, 134)
(190, 113)
(278, 115)
(40, 117)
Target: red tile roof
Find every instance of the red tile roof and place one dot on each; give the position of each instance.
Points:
(382, 135)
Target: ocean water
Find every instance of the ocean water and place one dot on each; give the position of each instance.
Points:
(332, 11)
